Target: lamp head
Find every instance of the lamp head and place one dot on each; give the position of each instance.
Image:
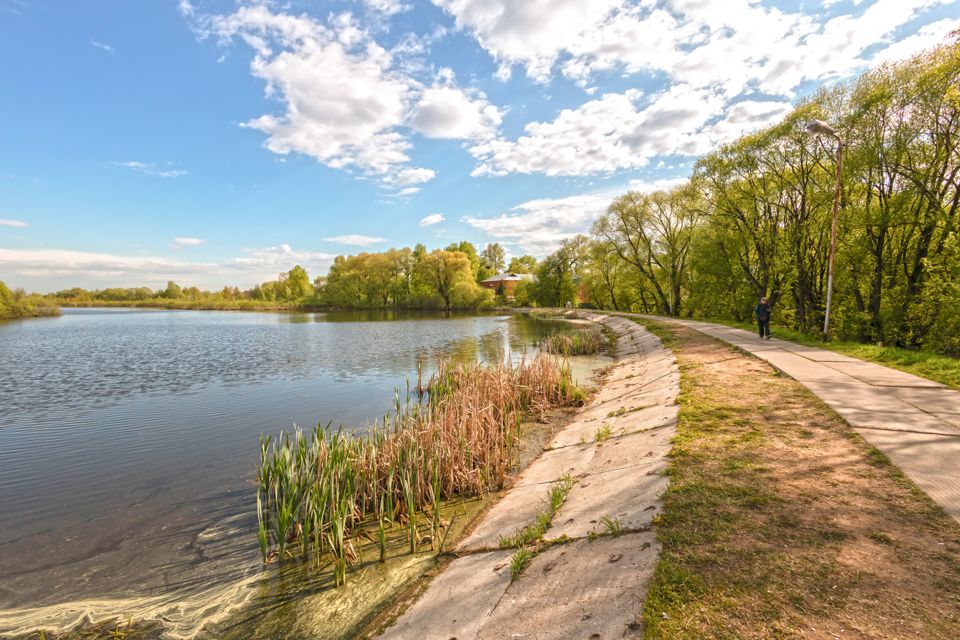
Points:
(822, 128)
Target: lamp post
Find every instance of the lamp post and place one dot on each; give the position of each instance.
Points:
(820, 127)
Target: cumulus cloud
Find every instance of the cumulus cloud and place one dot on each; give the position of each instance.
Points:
(347, 101)
(432, 219)
(181, 242)
(51, 269)
(927, 36)
(7, 222)
(152, 169)
(728, 68)
(343, 101)
(616, 131)
(450, 112)
(356, 239)
(539, 226)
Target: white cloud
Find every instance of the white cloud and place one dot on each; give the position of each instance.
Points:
(356, 239)
(449, 112)
(152, 169)
(649, 186)
(51, 269)
(926, 37)
(730, 44)
(20, 224)
(616, 131)
(408, 177)
(343, 98)
(386, 7)
(102, 46)
(181, 242)
(727, 67)
(530, 32)
(539, 226)
(432, 219)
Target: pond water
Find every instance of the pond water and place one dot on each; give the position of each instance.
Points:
(128, 440)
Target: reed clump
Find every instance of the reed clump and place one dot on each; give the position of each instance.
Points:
(318, 492)
(577, 342)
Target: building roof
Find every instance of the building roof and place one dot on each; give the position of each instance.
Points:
(509, 277)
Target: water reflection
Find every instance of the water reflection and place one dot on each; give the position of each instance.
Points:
(128, 438)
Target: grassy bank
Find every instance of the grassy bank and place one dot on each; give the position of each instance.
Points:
(781, 522)
(925, 364)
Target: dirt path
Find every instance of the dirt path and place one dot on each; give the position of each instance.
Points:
(781, 522)
(914, 421)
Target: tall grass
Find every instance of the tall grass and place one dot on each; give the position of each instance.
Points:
(317, 491)
(577, 342)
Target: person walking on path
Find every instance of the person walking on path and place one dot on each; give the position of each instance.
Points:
(762, 312)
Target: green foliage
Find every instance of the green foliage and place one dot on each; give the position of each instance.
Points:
(519, 561)
(522, 264)
(20, 304)
(754, 220)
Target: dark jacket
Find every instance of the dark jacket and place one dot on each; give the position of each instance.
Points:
(762, 311)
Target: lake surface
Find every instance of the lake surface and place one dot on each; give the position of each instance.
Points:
(128, 440)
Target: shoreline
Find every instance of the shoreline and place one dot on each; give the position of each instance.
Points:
(584, 572)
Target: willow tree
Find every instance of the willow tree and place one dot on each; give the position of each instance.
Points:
(443, 271)
(653, 233)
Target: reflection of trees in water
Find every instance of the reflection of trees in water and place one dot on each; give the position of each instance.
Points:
(93, 361)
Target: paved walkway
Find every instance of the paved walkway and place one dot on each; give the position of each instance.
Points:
(914, 421)
(584, 588)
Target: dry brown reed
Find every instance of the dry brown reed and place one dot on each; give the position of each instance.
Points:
(316, 491)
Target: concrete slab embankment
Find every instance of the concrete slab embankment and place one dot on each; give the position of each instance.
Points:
(593, 587)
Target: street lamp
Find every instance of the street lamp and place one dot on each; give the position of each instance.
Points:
(819, 127)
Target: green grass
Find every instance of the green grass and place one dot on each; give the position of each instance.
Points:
(534, 532)
(519, 562)
(925, 364)
(746, 552)
(603, 433)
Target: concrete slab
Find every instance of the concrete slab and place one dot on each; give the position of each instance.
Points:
(518, 508)
(551, 465)
(458, 601)
(929, 460)
(630, 495)
(583, 590)
(585, 432)
(935, 400)
(632, 449)
(879, 376)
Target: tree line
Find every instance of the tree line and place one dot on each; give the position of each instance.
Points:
(754, 220)
(17, 303)
(397, 278)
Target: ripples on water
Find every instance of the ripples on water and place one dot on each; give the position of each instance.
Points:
(128, 439)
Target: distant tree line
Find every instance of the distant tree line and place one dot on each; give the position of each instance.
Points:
(397, 278)
(19, 304)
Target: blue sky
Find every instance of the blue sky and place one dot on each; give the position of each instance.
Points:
(219, 142)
